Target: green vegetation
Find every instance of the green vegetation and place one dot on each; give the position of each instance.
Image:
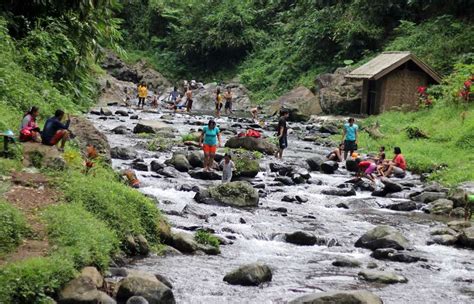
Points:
(206, 238)
(13, 228)
(190, 137)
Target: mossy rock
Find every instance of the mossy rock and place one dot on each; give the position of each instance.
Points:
(236, 194)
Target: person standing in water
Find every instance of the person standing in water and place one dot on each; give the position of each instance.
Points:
(218, 102)
(227, 166)
(349, 137)
(142, 94)
(210, 139)
(189, 99)
(228, 101)
(282, 133)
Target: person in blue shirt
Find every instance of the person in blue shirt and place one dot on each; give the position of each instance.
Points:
(349, 136)
(55, 131)
(210, 139)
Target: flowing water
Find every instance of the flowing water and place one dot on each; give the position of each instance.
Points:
(256, 235)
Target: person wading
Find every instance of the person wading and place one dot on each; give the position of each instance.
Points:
(218, 102)
(228, 102)
(349, 136)
(189, 99)
(282, 133)
(210, 139)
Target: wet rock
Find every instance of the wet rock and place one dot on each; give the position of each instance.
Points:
(428, 197)
(137, 300)
(153, 291)
(459, 225)
(249, 275)
(105, 112)
(140, 166)
(197, 211)
(196, 158)
(120, 130)
(277, 167)
(301, 199)
(435, 187)
(382, 253)
(329, 127)
(285, 180)
(457, 197)
(280, 209)
(439, 206)
(383, 237)
(246, 166)
(403, 206)
(339, 297)
(391, 186)
(372, 265)
(235, 194)
(379, 193)
(351, 165)
(123, 153)
(205, 175)
(443, 239)
(186, 243)
(315, 162)
(82, 290)
(179, 162)
(346, 262)
(384, 277)
(301, 238)
(170, 172)
(329, 167)
(342, 205)
(395, 256)
(95, 112)
(363, 185)
(466, 238)
(443, 230)
(164, 280)
(339, 192)
(134, 117)
(156, 166)
(152, 126)
(251, 144)
(288, 198)
(121, 112)
(458, 212)
(93, 274)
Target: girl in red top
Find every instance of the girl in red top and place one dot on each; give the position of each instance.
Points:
(398, 165)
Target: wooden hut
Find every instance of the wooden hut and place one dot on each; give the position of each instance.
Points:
(391, 80)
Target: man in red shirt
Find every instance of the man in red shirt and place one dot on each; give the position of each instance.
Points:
(398, 165)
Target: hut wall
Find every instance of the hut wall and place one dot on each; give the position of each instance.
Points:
(365, 94)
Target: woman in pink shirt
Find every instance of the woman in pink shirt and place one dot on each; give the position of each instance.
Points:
(29, 130)
(398, 165)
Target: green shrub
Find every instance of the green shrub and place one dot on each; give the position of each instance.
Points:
(32, 280)
(80, 236)
(206, 238)
(190, 137)
(13, 227)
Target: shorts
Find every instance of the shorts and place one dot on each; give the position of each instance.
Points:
(350, 145)
(283, 142)
(218, 106)
(228, 105)
(189, 104)
(371, 169)
(398, 172)
(57, 137)
(209, 149)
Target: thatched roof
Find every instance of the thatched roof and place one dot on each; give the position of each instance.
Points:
(387, 62)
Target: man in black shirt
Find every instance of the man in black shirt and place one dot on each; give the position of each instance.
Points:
(55, 131)
(282, 133)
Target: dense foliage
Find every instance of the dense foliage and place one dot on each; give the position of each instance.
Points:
(12, 228)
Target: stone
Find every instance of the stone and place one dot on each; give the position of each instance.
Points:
(251, 144)
(285, 180)
(383, 236)
(384, 277)
(105, 112)
(301, 103)
(205, 175)
(87, 134)
(196, 158)
(301, 199)
(439, 206)
(121, 112)
(329, 167)
(120, 130)
(152, 126)
(179, 162)
(466, 238)
(156, 166)
(315, 162)
(339, 297)
(94, 275)
(170, 172)
(435, 187)
(329, 127)
(459, 225)
(444, 239)
(288, 199)
(123, 153)
(142, 245)
(276, 167)
(235, 194)
(83, 290)
(379, 193)
(301, 238)
(443, 230)
(280, 209)
(163, 280)
(346, 262)
(458, 212)
(428, 197)
(246, 166)
(137, 300)
(249, 275)
(351, 165)
(342, 205)
(339, 192)
(139, 166)
(42, 156)
(153, 291)
(198, 212)
(395, 256)
(391, 186)
(403, 206)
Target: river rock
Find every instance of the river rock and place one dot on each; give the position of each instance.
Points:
(120, 130)
(235, 194)
(170, 172)
(285, 180)
(384, 277)
(391, 186)
(156, 166)
(152, 126)
(339, 192)
(444, 239)
(428, 197)
(435, 187)
(459, 225)
(288, 199)
(301, 103)
(140, 166)
(251, 144)
(186, 243)
(339, 297)
(163, 280)
(329, 167)
(197, 211)
(439, 206)
(123, 153)
(153, 291)
(94, 275)
(466, 238)
(403, 206)
(121, 112)
(87, 134)
(196, 158)
(351, 165)
(277, 167)
(205, 175)
(137, 300)
(315, 162)
(83, 290)
(395, 256)
(346, 262)
(383, 237)
(179, 162)
(301, 238)
(105, 111)
(246, 166)
(249, 275)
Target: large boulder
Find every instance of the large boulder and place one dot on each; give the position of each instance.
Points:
(439, 206)
(339, 297)
(384, 277)
(153, 291)
(339, 192)
(391, 186)
(124, 153)
(315, 162)
(83, 290)
(42, 156)
(428, 197)
(301, 103)
(383, 237)
(403, 206)
(186, 243)
(301, 238)
(249, 275)
(152, 126)
(252, 144)
(94, 275)
(467, 237)
(246, 166)
(196, 158)
(87, 134)
(235, 194)
(205, 175)
(338, 95)
(180, 162)
(329, 167)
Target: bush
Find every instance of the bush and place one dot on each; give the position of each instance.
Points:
(33, 280)
(206, 238)
(79, 236)
(13, 227)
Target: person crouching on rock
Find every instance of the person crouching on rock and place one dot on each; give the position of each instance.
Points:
(29, 130)
(227, 166)
(210, 139)
(366, 168)
(336, 154)
(55, 131)
(131, 178)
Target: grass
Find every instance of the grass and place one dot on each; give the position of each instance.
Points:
(206, 238)
(13, 228)
(447, 153)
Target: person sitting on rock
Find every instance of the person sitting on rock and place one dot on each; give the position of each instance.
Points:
(210, 139)
(227, 166)
(397, 165)
(29, 130)
(55, 131)
(336, 154)
(381, 156)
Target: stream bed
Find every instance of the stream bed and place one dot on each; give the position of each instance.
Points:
(257, 235)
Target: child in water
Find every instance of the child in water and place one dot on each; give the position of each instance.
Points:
(227, 166)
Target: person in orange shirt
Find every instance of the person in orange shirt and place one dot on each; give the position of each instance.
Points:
(218, 102)
(397, 165)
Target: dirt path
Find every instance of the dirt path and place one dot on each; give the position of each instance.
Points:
(30, 194)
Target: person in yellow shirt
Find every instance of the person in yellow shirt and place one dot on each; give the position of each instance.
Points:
(218, 102)
(142, 94)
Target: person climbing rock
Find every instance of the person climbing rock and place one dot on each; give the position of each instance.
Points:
(29, 130)
(227, 166)
(228, 101)
(142, 94)
(189, 99)
(210, 139)
(55, 131)
(218, 103)
(282, 133)
(349, 137)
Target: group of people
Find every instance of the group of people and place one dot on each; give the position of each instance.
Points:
(369, 166)
(55, 132)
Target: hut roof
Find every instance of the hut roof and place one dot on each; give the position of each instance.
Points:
(387, 62)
